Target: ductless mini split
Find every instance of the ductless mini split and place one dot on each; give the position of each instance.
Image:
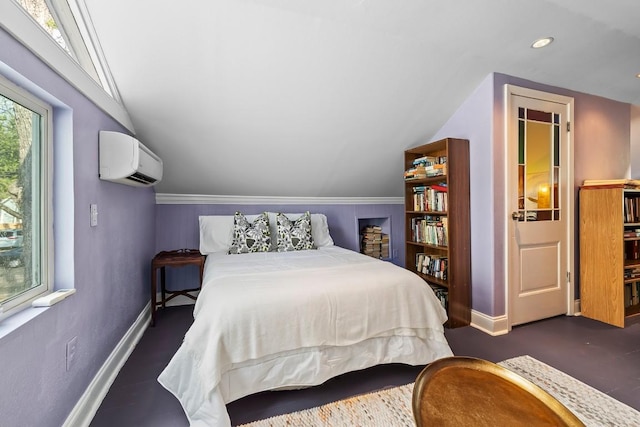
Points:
(125, 160)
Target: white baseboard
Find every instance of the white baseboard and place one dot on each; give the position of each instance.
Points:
(488, 324)
(90, 401)
(499, 325)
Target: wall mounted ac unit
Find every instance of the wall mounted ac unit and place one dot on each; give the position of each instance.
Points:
(126, 160)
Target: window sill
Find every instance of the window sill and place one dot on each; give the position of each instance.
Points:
(15, 321)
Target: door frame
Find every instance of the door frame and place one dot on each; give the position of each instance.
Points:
(568, 150)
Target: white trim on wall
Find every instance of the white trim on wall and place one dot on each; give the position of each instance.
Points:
(200, 199)
(492, 325)
(85, 409)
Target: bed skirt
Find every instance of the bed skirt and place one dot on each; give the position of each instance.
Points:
(294, 369)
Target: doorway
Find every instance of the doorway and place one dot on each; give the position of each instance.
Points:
(539, 200)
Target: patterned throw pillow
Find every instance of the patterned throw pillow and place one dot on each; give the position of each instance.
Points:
(294, 235)
(248, 237)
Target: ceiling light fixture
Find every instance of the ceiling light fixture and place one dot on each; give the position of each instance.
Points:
(546, 41)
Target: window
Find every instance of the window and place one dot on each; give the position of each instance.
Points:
(25, 189)
(39, 10)
(69, 24)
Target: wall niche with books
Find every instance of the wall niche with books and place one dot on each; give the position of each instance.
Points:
(374, 237)
(437, 222)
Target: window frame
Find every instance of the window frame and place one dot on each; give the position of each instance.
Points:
(17, 22)
(45, 178)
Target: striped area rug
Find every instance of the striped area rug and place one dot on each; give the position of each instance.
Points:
(392, 407)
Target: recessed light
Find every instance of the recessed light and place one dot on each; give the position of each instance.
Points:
(638, 75)
(542, 42)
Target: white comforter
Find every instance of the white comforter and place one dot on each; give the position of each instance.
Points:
(255, 309)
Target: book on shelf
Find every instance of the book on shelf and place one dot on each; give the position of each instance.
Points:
(432, 265)
(429, 198)
(430, 229)
(631, 233)
(632, 273)
(441, 293)
(632, 250)
(632, 294)
(631, 209)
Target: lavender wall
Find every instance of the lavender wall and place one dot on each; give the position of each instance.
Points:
(110, 265)
(601, 150)
(177, 227)
(472, 121)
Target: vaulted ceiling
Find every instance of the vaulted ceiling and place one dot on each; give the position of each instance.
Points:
(320, 97)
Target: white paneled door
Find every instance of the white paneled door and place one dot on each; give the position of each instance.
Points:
(539, 196)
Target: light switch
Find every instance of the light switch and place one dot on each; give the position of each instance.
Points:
(94, 215)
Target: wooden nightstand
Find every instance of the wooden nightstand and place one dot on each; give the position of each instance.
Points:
(177, 258)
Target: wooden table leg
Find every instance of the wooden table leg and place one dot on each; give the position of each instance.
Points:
(162, 286)
(153, 295)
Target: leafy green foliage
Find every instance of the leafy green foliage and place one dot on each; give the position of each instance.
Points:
(9, 149)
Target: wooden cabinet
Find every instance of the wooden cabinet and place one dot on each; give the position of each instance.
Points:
(609, 253)
(437, 222)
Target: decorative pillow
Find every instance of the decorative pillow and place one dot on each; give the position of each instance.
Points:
(319, 228)
(294, 235)
(250, 237)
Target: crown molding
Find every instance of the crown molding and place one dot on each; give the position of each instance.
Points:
(201, 199)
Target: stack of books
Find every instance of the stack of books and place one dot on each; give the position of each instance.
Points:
(426, 167)
(374, 242)
(384, 246)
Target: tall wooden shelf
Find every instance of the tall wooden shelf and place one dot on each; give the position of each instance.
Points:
(457, 250)
(607, 255)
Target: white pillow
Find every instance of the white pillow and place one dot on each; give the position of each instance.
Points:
(319, 228)
(216, 231)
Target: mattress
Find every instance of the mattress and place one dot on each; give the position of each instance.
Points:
(274, 320)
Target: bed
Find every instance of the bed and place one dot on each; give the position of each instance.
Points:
(273, 320)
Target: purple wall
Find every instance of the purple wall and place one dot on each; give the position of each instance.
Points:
(177, 227)
(110, 265)
(472, 121)
(601, 150)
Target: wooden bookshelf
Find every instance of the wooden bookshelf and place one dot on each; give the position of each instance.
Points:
(609, 253)
(455, 215)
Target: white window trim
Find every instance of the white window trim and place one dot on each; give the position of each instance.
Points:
(74, 18)
(26, 99)
(17, 22)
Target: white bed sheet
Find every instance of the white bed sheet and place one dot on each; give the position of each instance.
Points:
(272, 320)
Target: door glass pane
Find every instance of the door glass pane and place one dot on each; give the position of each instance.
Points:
(538, 166)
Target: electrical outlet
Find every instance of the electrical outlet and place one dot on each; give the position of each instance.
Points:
(395, 253)
(72, 351)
